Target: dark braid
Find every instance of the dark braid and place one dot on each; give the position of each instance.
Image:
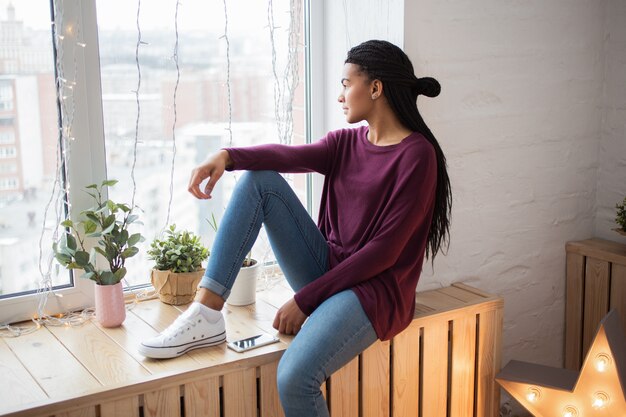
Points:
(384, 61)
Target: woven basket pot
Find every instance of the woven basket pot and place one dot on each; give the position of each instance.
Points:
(176, 288)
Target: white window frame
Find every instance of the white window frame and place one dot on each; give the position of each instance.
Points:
(88, 158)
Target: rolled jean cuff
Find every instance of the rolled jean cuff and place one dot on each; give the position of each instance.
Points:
(214, 286)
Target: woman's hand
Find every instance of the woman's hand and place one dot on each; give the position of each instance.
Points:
(289, 318)
(213, 167)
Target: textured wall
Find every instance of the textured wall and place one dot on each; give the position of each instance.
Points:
(612, 154)
(524, 123)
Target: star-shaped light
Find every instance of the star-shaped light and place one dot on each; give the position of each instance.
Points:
(599, 390)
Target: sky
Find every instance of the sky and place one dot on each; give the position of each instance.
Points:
(158, 14)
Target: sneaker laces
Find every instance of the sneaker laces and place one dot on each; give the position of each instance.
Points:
(179, 326)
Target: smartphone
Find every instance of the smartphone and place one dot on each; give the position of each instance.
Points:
(259, 340)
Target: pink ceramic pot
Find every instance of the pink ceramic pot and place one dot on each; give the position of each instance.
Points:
(110, 307)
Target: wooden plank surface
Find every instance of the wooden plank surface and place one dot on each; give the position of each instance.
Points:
(240, 393)
(406, 370)
(162, 403)
(601, 249)
(202, 398)
(344, 390)
(618, 292)
(83, 412)
(574, 294)
(126, 407)
(270, 402)
(487, 366)
(435, 368)
(375, 380)
(596, 298)
(463, 363)
(18, 385)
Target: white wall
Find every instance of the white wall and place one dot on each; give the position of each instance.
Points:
(612, 155)
(532, 120)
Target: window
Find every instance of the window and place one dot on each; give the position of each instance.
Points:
(99, 40)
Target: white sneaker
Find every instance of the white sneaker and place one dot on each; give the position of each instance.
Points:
(190, 330)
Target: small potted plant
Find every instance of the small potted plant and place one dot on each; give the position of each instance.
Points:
(109, 223)
(620, 217)
(178, 268)
(243, 291)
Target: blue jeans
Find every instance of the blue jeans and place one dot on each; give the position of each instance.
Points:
(336, 332)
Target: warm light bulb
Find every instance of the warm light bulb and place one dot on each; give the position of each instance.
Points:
(570, 411)
(533, 394)
(602, 362)
(600, 399)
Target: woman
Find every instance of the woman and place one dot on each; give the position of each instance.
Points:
(385, 205)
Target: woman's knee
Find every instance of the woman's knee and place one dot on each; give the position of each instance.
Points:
(256, 178)
(292, 381)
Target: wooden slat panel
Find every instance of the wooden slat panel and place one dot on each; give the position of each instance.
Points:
(270, 402)
(618, 292)
(240, 393)
(83, 412)
(406, 371)
(162, 403)
(487, 392)
(602, 249)
(375, 380)
(202, 398)
(344, 390)
(18, 385)
(55, 369)
(575, 279)
(440, 301)
(596, 298)
(435, 365)
(127, 407)
(99, 354)
(463, 356)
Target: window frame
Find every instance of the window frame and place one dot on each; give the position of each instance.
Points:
(88, 157)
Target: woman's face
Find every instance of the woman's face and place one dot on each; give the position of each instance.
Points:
(356, 95)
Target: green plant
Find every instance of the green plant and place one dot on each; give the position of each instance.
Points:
(248, 261)
(109, 222)
(621, 214)
(178, 251)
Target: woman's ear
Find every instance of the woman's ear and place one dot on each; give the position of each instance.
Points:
(376, 89)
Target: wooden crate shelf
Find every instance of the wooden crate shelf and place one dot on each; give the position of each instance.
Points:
(595, 284)
(443, 364)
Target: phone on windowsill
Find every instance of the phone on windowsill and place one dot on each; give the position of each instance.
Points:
(253, 342)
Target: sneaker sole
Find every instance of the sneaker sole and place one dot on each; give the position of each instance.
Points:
(166, 352)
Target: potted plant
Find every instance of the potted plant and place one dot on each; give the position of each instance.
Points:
(109, 223)
(178, 268)
(620, 217)
(243, 291)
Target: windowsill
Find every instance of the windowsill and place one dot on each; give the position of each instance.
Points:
(61, 363)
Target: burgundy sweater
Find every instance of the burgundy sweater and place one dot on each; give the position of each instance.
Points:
(375, 213)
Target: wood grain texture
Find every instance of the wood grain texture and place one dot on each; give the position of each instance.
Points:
(83, 412)
(126, 407)
(344, 391)
(162, 403)
(601, 249)
(487, 392)
(270, 402)
(618, 292)
(18, 385)
(375, 380)
(574, 295)
(240, 393)
(435, 369)
(596, 302)
(406, 370)
(202, 398)
(463, 363)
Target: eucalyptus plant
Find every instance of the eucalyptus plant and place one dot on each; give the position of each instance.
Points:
(178, 251)
(621, 214)
(109, 223)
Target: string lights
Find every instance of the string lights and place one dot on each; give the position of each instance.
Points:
(598, 390)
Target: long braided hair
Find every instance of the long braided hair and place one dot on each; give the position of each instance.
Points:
(384, 61)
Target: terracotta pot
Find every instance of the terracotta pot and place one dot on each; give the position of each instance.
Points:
(244, 289)
(176, 288)
(110, 307)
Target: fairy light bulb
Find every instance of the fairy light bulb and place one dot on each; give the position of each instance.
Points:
(600, 399)
(533, 394)
(570, 411)
(602, 362)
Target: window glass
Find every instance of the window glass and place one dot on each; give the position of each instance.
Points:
(203, 104)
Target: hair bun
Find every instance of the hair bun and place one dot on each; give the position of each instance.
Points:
(429, 87)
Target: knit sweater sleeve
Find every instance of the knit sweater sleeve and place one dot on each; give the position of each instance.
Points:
(313, 157)
(407, 209)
